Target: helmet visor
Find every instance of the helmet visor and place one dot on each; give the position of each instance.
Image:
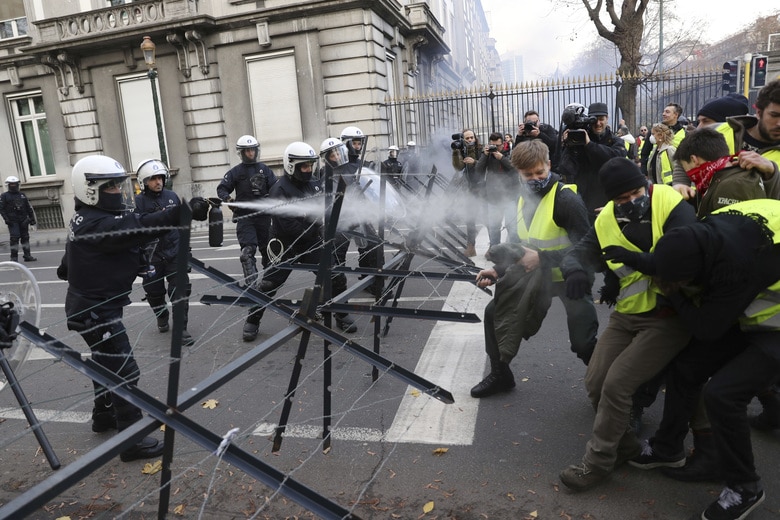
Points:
(117, 194)
(336, 156)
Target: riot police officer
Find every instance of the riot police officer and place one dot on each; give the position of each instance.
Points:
(301, 235)
(18, 214)
(102, 259)
(252, 181)
(391, 166)
(160, 254)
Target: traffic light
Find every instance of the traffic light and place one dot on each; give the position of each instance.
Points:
(731, 76)
(758, 71)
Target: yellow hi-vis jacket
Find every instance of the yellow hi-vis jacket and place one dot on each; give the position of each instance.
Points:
(637, 292)
(728, 133)
(763, 313)
(543, 233)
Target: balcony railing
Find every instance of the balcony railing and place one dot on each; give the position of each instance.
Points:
(114, 19)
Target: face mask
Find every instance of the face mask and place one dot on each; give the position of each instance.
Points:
(635, 209)
(111, 201)
(652, 139)
(301, 176)
(538, 185)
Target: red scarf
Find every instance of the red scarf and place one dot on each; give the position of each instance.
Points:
(702, 174)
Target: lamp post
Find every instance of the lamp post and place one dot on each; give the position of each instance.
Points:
(148, 48)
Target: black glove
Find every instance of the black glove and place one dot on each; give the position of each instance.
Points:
(200, 208)
(642, 262)
(577, 285)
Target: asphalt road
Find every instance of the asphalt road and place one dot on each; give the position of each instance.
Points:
(395, 452)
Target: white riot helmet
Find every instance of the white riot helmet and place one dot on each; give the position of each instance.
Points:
(297, 154)
(151, 168)
(350, 134)
(411, 144)
(393, 151)
(12, 180)
(248, 142)
(93, 174)
(333, 152)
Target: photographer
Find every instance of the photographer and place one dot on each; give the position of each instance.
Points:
(588, 143)
(532, 128)
(465, 154)
(502, 185)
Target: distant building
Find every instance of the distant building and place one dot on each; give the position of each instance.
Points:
(512, 68)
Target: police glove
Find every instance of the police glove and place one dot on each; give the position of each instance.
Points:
(642, 262)
(577, 285)
(200, 208)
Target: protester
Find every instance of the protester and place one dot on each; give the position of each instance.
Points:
(643, 333)
(550, 218)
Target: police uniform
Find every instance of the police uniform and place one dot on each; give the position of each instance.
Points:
(18, 214)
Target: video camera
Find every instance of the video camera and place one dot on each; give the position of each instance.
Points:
(575, 119)
(457, 142)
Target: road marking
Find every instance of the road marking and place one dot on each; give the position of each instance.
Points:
(47, 415)
(454, 358)
(306, 431)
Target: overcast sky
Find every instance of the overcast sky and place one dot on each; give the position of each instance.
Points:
(548, 35)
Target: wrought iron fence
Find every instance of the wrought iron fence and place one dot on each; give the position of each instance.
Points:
(430, 119)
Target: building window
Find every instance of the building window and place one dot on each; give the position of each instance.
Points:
(273, 92)
(32, 134)
(13, 20)
(138, 118)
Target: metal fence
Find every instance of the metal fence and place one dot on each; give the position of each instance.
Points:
(430, 119)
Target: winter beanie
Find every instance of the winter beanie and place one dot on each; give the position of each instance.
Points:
(619, 175)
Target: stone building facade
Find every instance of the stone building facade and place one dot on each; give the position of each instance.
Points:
(73, 80)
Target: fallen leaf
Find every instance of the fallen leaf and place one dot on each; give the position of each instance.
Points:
(415, 393)
(179, 510)
(162, 427)
(440, 451)
(524, 379)
(210, 404)
(150, 468)
(427, 508)
(64, 518)
(534, 514)
(511, 496)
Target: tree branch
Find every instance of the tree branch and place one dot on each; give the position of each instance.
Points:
(593, 13)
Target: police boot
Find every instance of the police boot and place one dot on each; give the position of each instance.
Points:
(186, 338)
(146, 448)
(769, 418)
(345, 323)
(103, 418)
(500, 379)
(702, 465)
(28, 257)
(157, 303)
(252, 324)
(14, 252)
(249, 265)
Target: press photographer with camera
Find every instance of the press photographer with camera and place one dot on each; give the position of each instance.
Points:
(502, 186)
(533, 128)
(466, 151)
(587, 143)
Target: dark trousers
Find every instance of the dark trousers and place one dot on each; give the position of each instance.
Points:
(110, 346)
(19, 231)
(255, 232)
(739, 365)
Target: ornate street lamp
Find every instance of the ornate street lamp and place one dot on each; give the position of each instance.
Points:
(148, 48)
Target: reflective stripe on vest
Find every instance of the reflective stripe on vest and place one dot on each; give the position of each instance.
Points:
(763, 313)
(543, 233)
(666, 167)
(637, 293)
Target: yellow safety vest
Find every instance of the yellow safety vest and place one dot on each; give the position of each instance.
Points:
(763, 313)
(678, 137)
(728, 133)
(543, 233)
(637, 292)
(666, 167)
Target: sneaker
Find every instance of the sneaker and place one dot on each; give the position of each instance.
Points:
(733, 504)
(581, 477)
(147, 448)
(650, 458)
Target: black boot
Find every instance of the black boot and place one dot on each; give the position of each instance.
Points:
(158, 305)
(702, 464)
(345, 323)
(103, 417)
(769, 418)
(252, 324)
(147, 448)
(28, 257)
(500, 379)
